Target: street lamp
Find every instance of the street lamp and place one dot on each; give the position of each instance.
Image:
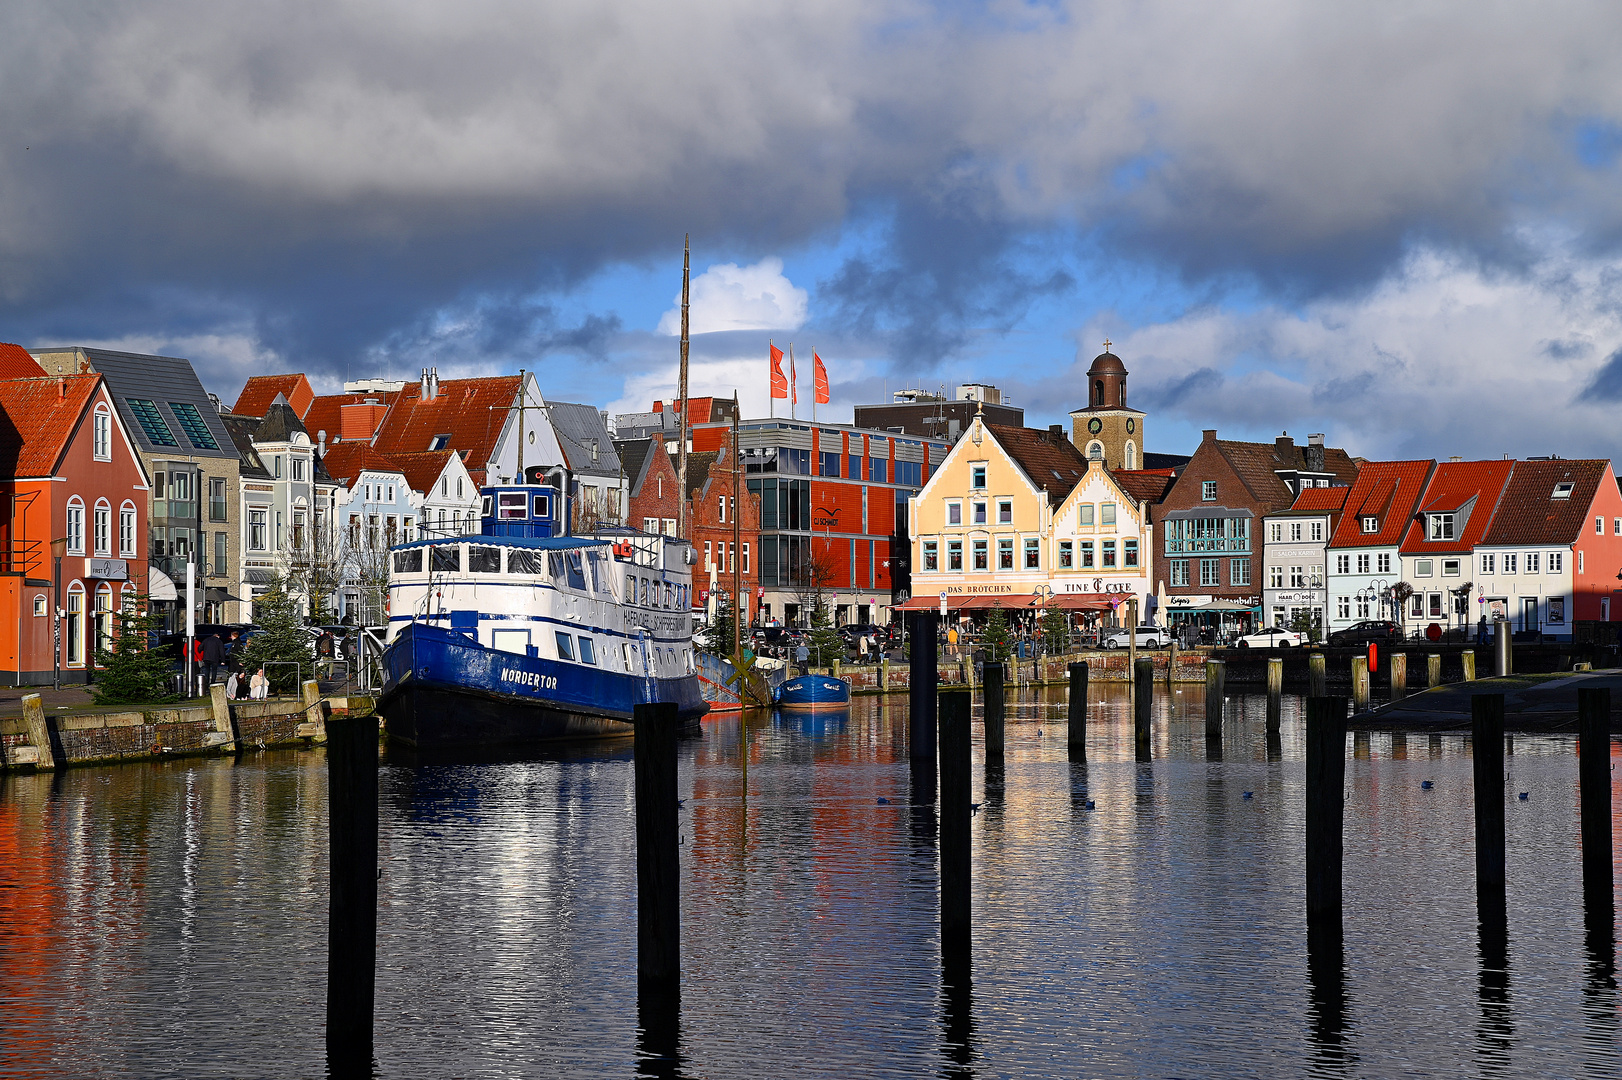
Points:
(1044, 593)
(59, 548)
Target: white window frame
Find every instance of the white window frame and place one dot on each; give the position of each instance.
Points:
(101, 529)
(1441, 526)
(75, 526)
(102, 448)
(1208, 491)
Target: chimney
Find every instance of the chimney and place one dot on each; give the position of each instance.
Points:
(1208, 435)
(1455, 457)
(424, 392)
(61, 387)
(433, 382)
(1314, 453)
(1284, 445)
(658, 406)
(1056, 433)
(321, 436)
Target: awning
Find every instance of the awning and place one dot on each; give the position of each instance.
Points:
(967, 602)
(1217, 605)
(1088, 601)
(215, 595)
(260, 577)
(159, 586)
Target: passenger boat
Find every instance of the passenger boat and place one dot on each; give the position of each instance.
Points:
(517, 635)
(812, 692)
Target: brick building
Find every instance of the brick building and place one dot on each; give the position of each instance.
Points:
(653, 499)
(724, 528)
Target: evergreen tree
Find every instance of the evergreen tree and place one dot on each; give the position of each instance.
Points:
(134, 673)
(280, 641)
(826, 645)
(995, 637)
(1056, 630)
(717, 637)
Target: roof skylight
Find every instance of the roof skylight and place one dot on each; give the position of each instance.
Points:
(1562, 490)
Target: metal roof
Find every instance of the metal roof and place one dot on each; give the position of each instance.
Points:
(163, 381)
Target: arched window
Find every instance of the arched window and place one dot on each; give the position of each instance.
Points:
(75, 526)
(1098, 392)
(104, 617)
(1095, 451)
(126, 530)
(73, 632)
(1131, 456)
(101, 532)
(103, 433)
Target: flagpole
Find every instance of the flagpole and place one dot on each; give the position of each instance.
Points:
(681, 421)
(771, 369)
(813, 387)
(793, 383)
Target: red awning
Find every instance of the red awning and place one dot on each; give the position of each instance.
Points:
(1088, 601)
(965, 602)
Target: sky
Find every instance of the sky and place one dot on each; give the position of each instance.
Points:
(1397, 224)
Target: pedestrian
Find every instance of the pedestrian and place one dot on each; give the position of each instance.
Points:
(861, 648)
(213, 657)
(1481, 630)
(231, 687)
(259, 686)
(232, 661)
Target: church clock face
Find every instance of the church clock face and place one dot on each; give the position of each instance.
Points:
(1095, 425)
(1131, 426)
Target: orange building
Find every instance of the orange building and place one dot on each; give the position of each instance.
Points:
(724, 527)
(69, 472)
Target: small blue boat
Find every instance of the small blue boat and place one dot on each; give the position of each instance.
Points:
(813, 692)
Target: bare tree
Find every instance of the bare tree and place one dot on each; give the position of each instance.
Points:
(315, 567)
(813, 576)
(365, 555)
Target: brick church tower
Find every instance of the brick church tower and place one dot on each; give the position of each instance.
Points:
(1105, 429)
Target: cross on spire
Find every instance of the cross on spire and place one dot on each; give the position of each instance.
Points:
(1106, 344)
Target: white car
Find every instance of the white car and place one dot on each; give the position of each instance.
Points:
(1149, 637)
(1275, 638)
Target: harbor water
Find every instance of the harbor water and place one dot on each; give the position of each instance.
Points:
(1130, 918)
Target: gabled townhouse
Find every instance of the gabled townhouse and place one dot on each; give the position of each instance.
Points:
(588, 451)
(1101, 546)
(499, 425)
(1454, 514)
(1553, 553)
(375, 509)
(652, 499)
(70, 471)
(445, 494)
(1365, 549)
(1295, 553)
(724, 527)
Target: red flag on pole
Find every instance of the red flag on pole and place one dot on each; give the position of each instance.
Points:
(779, 384)
(793, 377)
(819, 380)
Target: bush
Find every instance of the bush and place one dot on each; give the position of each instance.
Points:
(134, 673)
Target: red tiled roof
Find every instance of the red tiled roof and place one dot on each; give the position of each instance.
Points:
(1257, 464)
(1145, 485)
(422, 471)
(41, 415)
(1387, 490)
(1528, 515)
(346, 460)
(471, 412)
(16, 363)
(261, 390)
(1452, 487)
(326, 413)
(1317, 500)
(1050, 461)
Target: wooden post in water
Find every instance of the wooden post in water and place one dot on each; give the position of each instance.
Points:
(1077, 735)
(922, 680)
(1433, 670)
(352, 892)
(1326, 804)
(1397, 665)
(1171, 663)
(1216, 685)
(992, 695)
(38, 733)
(1503, 651)
(1317, 675)
(658, 858)
(1143, 680)
(955, 814)
(1487, 755)
(1360, 683)
(1275, 693)
(1594, 784)
(1467, 660)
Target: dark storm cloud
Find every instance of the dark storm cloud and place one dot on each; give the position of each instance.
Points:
(1606, 385)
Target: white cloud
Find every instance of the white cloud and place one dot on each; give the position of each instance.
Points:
(732, 297)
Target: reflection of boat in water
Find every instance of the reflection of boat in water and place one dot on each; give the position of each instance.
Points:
(812, 692)
(825, 720)
(518, 636)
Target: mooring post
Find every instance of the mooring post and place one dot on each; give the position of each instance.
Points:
(1360, 683)
(1275, 693)
(1487, 757)
(1397, 667)
(922, 681)
(658, 858)
(1143, 680)
(1433, 670)
(1326, 803)
(1317, 675)
(1503, 651)
(38, 733)
(1594, 783)
(1467, 660)
(955, 814)
(1216, 685)
(1171, 663)
(1077, 735)
(992, 695)
(352, 891)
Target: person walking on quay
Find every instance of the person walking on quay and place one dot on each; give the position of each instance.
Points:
(861, 647)
(213, 657)
(259, 686)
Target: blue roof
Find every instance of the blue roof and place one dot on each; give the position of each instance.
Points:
(543, 543)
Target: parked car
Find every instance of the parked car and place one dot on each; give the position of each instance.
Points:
(1361, 633)
(1149, 637)
(1274, 637)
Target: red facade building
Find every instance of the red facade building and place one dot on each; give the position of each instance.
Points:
(724, 527)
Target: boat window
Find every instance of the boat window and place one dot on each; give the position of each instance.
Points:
(446, 557)
(577, 576)
(511, 506)
(687, 656)
(670, 596)
(630, 656)
(596, 580)
(543, 506)
(484, 505)
(565, 645)
(524, 561)
(588, 654)
(630, 588)
(642, 591)
(554, 564)
(483, 560)
(408, 562)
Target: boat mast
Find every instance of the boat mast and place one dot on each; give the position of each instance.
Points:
(681, 391)
(520, 477)
(738, 607)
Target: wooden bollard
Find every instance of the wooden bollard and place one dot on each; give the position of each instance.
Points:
(1594, 784)
(922, 682)
(658, 858)
(1317, 675)
(220, 705)
(1397, 665)
(1360, 683)
(1503, 651)
(992, 695)
(1433, 670)
(1171, 663)
(1077, 735)
(1326, 804)
(352, 891)
(1216, 687)
(315, 711)
(39, 734)
(1487, 758)
(955, 815)
(1143, 679)
(1467, 660)
(1275, 692)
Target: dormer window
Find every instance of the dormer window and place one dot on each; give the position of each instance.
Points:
(439, 442)
(1562, 490)
(1441, 526)
(1371, 524)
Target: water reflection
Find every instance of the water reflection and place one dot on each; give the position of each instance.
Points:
(1496, 1030)
(1326, 973)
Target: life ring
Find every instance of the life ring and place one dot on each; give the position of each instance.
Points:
(623, 549)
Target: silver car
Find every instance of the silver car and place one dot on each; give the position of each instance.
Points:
(1149, 637)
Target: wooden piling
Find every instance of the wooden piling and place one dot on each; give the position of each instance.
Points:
(1216, 683)
(1143, 680)
(1433, 670)
(1326, 802)
(1077, 735)
(1594, 783)
(1503, 651)
(658, 858)
(1397, 667)
(1317, 675)
(1487, 758)
(1467, 660)
(1171, 663)
(1275, 692)
(352, 891)
(992, 696)
(39, 734)
(923, 680)
(1360, 683)
(955, 814)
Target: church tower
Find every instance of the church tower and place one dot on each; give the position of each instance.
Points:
(1105, 429)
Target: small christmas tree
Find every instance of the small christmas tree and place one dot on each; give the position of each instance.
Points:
(1056, 630)
(995, 637)
(717, 637)
(134, 673)
(826, 644)
(280, 642)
